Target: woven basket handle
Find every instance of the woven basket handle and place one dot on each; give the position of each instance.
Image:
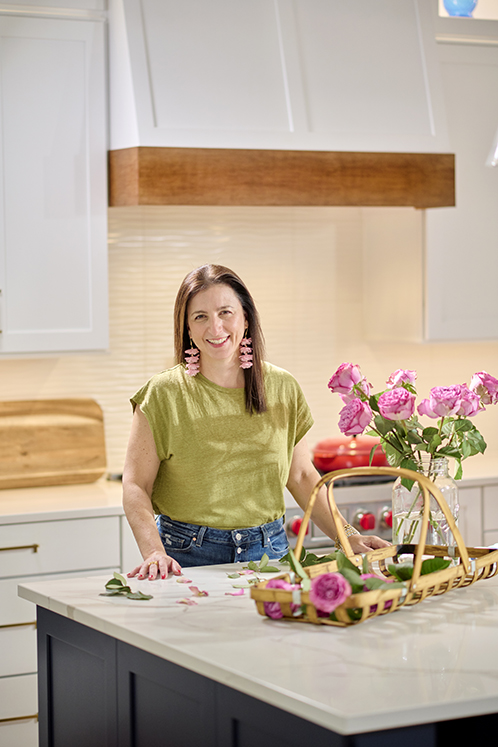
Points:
(428, 488)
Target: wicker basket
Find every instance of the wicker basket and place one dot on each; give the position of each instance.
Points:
(473, 564)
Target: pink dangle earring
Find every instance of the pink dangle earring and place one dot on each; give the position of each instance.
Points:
(192, 360)
(245, 356)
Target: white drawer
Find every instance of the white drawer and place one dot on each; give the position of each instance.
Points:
(58, 546)
(490, 507)
(19, 734)
(18, 650)
(18, 697)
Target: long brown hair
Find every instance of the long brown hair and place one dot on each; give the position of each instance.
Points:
(201, 279)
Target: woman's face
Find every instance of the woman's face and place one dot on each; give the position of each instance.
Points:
(216, 323)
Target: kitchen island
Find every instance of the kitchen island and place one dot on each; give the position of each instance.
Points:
(114, 671)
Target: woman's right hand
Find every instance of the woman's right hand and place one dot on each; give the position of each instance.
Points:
(157, 565)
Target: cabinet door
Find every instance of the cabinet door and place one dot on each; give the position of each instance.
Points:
(53, 242)
(462, 241)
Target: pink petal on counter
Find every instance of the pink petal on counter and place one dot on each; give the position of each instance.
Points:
(186, 601)
(197, 592)
(183, 580)
(237, 593)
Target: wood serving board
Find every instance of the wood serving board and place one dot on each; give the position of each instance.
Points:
(51, 442)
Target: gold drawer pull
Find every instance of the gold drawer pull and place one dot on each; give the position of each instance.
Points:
(17, 625)
(19, 718)
(21, 547)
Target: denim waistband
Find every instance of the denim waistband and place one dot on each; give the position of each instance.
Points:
(237, 536)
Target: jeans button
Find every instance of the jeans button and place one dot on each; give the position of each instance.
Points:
(239, 550)
(238, 536)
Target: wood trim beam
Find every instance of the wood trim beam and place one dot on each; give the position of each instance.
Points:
(218, 176)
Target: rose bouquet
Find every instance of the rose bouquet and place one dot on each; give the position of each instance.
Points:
(392, 415)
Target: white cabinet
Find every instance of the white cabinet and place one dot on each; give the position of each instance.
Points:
(32, 550)
(276, 74)
(462, 242)
(53, 194)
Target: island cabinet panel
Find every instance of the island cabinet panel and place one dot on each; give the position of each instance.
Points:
(95, 690)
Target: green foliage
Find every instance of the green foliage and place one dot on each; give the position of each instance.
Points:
(117, 587)
(404, 571)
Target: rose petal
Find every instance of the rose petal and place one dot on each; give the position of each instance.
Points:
(183, 580)
(237, 593)
(189, 602)
(197, 592)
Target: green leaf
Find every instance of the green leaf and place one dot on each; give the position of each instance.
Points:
(233, 575)
(459, 472)
(413, 438)
(119, 577)
(375, 583)
(297, 568)
(383, 426)
(364, 565)
(344, 562)
(115, 593)
(114, 583)
(353, 614)
(428, 433)
(433, 564)
(401, 571)
(463, 425)
(253, 566)
(354, 579)
(434, 443)
(263, 562)
(373, 402)
(269, 569)
(138, 595)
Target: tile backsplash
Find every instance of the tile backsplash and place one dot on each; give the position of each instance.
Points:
(321, 278)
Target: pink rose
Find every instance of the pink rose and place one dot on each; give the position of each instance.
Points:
(354, 418)
(328, 591)
(486, 386)
(397, 404)
(363, 385)
(471, 402)
(445, 400)
(344, 379)
(273, 609)
(424, 408)
(400, 377)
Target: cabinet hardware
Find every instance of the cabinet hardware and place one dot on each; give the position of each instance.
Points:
(21, 547)
(18, 625)
(19, 718)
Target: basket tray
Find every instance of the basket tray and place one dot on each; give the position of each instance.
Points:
(471, 564)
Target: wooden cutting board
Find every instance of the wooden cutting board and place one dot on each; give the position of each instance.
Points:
(51, 442)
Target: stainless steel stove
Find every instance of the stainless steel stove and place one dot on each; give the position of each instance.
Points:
(366, 506)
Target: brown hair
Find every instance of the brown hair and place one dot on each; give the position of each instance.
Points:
(201, 279)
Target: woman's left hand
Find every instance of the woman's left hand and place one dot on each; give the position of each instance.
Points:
(366, 542)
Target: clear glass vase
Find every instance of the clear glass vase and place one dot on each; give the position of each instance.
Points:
(408, 506)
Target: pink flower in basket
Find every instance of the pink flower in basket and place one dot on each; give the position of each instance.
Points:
(273, 609)
(328, 591)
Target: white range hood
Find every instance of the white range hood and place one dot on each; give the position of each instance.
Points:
(276, 75)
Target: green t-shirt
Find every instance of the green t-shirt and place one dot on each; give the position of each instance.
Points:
(220, 466)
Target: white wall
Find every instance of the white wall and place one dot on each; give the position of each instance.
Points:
(306, 268)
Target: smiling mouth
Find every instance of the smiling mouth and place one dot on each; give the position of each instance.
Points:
(219, 342)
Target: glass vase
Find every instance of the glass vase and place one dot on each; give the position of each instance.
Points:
(408, 506)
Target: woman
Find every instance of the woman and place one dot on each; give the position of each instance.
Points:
(216, 438)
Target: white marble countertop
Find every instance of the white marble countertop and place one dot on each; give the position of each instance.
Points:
(435, 661)
(102, 498)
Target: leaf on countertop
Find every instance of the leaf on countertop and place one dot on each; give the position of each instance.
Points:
(138, 595)
(119, 577)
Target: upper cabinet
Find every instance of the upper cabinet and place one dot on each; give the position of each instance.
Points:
(53, 206)
(276, 74)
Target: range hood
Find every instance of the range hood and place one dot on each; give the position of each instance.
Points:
(277, 102)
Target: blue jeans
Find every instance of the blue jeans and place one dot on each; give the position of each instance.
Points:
(191, 544)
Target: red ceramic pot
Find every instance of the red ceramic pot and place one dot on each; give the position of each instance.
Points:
(345, 452)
